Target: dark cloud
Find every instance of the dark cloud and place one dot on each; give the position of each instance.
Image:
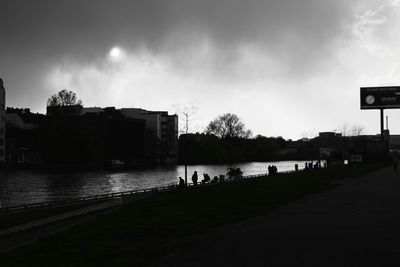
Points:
(82, 27)
(295, 36)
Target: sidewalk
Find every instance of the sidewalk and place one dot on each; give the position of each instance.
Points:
(22, 235)
(356, 224)
(60, 217)
(28, 233)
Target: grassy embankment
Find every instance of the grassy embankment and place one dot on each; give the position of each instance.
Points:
(147, 229)
(8, 220)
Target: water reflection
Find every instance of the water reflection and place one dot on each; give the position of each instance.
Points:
(118, 182)
(23, 187)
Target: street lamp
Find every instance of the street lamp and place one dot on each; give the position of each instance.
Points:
(186, 148)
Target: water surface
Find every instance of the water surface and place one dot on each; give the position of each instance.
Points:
(22, 187)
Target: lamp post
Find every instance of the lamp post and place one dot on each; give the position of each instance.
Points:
(382, 128)
(187, 111)
(186, 149)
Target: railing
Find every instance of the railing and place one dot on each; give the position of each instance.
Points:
(102, 197)
(93, 198)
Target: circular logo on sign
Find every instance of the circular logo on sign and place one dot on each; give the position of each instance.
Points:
(370, 99)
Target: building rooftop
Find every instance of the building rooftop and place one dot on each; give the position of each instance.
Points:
(26, 115)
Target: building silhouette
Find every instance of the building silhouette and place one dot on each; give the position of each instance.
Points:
(86, 137)
(97, 137)
(161, 132)
(24, 137)
(2, 122)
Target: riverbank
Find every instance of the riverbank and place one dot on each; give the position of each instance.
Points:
(142, 231)
(41, 186)
(18, 218)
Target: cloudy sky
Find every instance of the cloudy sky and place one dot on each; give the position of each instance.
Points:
(288, 68)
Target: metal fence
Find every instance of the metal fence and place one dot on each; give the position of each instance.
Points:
(94, 198)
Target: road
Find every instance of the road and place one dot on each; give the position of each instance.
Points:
(355, 224)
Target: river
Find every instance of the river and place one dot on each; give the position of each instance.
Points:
(23, 187)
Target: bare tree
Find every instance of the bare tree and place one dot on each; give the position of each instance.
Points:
(342, 129)
(347, 130)
(186, 114)
(64, 98)
(228, 125)
(357, 130)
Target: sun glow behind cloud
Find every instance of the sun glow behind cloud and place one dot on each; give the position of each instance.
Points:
(116, 54)
(116, 79)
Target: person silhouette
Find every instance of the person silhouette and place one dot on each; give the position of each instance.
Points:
(181, 182)
(207, 178)
(194, 178)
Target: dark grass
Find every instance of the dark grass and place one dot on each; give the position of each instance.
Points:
(145, 230)
(8, 220)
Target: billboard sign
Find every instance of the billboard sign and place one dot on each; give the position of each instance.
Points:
(380, 97)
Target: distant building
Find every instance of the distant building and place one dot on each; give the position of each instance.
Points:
(64, 110)
(367, 148)
(394, 142)
(92, 110)
(168, 152)
(161, 132)
(23, 119)
(93, 138)
(330, 145)
(2, 122)
(74, 135)
(330, 140)
(172, 138)
(24, 139)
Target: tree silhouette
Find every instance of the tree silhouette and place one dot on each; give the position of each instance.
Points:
(228, 125)
(347, 130)
(64, 98)
(234, 173)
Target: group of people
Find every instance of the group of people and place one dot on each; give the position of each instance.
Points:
(206, 179)
(316, 165)
(272, 169)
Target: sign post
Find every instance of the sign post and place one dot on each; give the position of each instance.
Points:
(384, 97)
(382, 127)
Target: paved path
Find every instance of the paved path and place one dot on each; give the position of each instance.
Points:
(61, 217)
(16, 240)
(25, 234)
(28, 233)
(356, 224)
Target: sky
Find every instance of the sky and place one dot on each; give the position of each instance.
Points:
(289, 68)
